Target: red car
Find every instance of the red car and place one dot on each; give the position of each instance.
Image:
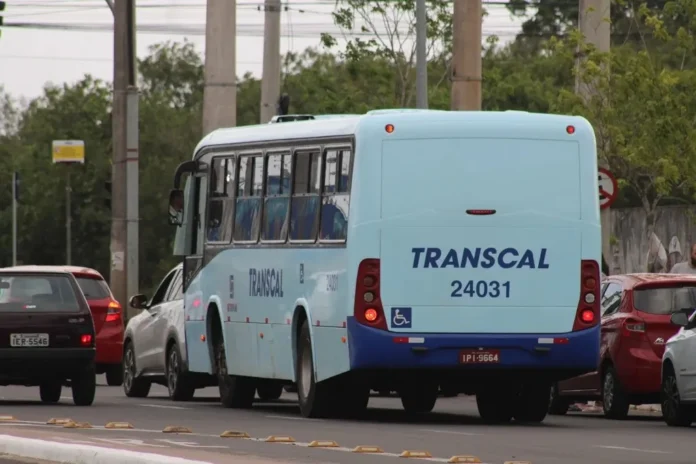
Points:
(108, 319)
(636, 311)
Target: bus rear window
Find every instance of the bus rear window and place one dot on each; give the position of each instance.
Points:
(37, 293)
(507, 175)
(665, 300)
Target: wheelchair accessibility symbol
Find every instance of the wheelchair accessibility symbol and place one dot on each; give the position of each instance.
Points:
(401, 318)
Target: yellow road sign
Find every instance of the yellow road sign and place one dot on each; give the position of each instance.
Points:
(69, 151)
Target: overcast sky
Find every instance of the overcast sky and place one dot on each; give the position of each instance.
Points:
(29, 58)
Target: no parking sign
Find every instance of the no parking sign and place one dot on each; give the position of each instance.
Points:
(608, 188)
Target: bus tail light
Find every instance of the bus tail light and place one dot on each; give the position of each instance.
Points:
(587, 314)
(368, 308)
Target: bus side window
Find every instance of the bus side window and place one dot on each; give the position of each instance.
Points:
(247, 217)
(336, 195)
(275, 212)
(306, 196)
(220, 200)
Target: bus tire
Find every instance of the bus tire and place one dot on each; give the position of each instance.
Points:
(419, 398)
(494, 406)
(532, 403)
(315, 398)
(235, 391)
(558, 406)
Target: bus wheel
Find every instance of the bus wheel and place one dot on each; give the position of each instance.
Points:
(419, 398)
(315, 398)
(533, 403)
(495, 406)
(235, 391)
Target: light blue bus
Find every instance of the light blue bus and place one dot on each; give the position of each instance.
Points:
(398, 250)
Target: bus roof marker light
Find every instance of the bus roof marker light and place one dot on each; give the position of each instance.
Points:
(389, 128)
(570, 130)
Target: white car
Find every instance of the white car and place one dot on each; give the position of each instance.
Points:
(679, 372)
(155, 344)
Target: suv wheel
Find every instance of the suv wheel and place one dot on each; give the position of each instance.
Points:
(179, 386)
(674, 412)
(84, 387)
(558, 406)
(50, 391)
(133, 386)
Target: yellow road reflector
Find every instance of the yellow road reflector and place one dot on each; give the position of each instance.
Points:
(7, 418)
(460, 459)
(368, 449)
(234, 434)
(323, 444)
(176, 429)
(415, 454)
(78, 425)
(118, 425)
(59, 421)
(279, 439)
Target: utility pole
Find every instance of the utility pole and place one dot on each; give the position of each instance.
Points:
(125, 165)
(15, 199)
(270, 81)
(593, 22)
(421, 55)
(220, 91)
(466, 58)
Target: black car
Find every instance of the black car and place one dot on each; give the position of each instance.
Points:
(46, 334)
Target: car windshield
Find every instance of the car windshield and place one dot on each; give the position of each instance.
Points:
(94, 289)
(665, 300)
(37, 293)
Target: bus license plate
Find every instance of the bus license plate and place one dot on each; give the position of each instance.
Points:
(28, 340)
(479, 356)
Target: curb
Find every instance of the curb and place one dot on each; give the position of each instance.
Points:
(81, 454)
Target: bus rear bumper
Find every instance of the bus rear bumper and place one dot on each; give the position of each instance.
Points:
(370, 348)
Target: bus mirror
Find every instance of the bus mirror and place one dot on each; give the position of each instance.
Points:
(176, 207)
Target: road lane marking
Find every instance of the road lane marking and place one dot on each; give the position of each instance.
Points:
(293, 418)
(123, 441)
(637, 450)
(453, 432)
(190, 444)
(162, 406)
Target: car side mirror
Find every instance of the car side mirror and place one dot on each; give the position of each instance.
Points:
(176, 207)
(680, 318)
(138, 301)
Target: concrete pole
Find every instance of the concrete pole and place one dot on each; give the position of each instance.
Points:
(421, 55)
(220, 91)
(270, 82)
(594, 24)
(119, 154)
(132, 198)
(466, 58)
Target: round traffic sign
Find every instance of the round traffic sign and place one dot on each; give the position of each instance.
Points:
(608, 188)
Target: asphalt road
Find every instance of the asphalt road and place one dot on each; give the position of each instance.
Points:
(452, 429)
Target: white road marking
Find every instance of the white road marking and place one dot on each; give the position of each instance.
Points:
(128, 442)
(189, 444)
(638, 450)
(162, 406)
(293, 418)
(453, 432)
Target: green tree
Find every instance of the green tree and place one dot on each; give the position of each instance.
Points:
(383, 32)
(642, 110)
